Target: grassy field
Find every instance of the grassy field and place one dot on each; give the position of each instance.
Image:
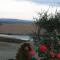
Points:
(21, 29)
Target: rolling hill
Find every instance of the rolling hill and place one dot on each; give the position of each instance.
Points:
(6, 20)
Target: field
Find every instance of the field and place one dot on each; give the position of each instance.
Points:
(21, 29)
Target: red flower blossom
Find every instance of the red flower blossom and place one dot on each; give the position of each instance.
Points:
(42, 48)
(26, 48)
(32, 52)
(52, 54)
(58, 55)
(17, 55)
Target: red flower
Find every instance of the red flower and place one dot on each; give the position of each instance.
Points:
(58, 55)
(42, 48)
(52, 54)
(58, 42)
(17, 55)
(26, 48)
(32, 52)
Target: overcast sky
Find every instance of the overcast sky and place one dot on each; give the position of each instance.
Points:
(26, 9)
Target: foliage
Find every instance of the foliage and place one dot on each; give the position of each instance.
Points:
(49, 22)
(50, 37)
(46, 39)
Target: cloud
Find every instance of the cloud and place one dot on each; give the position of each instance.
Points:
(47, 2)
(21, 10)
(13, 9)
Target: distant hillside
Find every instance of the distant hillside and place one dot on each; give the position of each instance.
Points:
(16, 26)
(6, 20)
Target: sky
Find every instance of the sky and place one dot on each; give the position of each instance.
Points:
(26, 9)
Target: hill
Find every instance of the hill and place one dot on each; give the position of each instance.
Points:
(20, 21)
(16, 26)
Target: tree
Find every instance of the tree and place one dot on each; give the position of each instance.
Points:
(47, 37)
